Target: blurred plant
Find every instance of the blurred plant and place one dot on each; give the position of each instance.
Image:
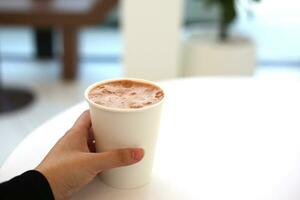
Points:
(227, 15)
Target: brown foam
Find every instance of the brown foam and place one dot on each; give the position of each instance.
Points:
(126, 94)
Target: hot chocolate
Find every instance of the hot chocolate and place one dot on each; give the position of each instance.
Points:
(126, 94)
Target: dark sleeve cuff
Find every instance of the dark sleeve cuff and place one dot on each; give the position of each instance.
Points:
(30, 185)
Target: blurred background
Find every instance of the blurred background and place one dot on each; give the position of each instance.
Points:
(51, 50)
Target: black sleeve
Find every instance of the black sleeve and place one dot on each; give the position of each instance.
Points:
(30, 185)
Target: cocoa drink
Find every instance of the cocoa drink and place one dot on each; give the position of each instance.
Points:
(126, 94)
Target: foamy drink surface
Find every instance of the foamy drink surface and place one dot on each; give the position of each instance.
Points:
(126, 94)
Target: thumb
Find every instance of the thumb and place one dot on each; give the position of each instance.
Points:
(116, 158)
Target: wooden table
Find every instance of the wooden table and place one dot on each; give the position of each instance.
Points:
(66, 14)
(220, 139)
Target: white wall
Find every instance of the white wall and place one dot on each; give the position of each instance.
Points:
(151, 35)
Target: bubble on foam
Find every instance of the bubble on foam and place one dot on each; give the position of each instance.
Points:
(159, 94)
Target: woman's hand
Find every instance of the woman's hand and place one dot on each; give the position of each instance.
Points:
(72, 162)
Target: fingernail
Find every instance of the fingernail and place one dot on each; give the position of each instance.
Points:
(137, 154)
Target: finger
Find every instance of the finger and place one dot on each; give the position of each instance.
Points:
(117, 158)
(77, 136)
(91, 141)
(84, 121)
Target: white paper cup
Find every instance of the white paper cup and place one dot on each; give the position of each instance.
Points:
(116, 128)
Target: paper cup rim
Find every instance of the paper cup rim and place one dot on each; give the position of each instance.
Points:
(122, 110)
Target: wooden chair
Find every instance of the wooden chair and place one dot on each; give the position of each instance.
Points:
(69, 15)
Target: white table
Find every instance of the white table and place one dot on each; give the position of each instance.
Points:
(229, 139)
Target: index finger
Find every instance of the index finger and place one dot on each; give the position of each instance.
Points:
(84, 121)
